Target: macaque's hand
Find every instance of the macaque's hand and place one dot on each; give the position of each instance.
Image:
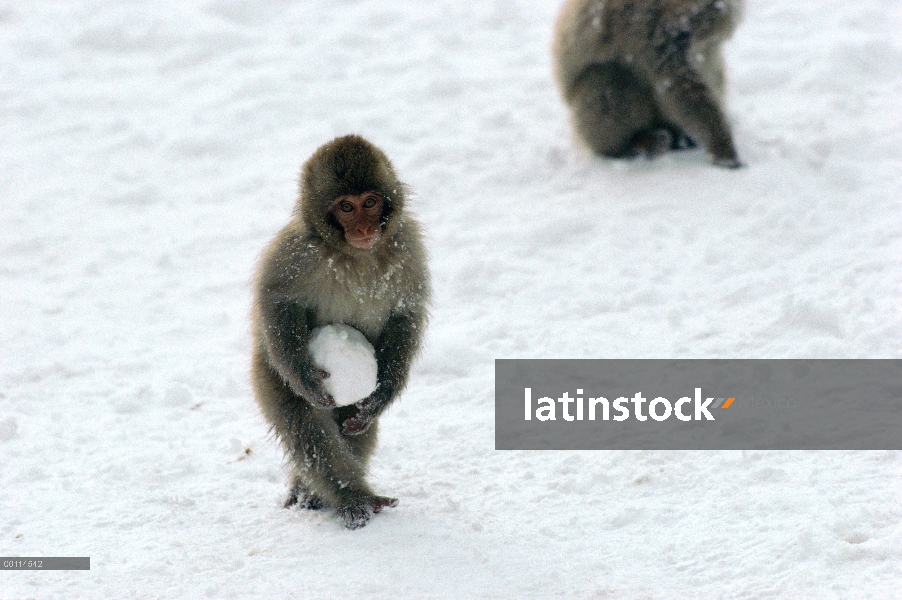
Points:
(357, 424)
(728, 162)
(319, 397)
(363, 419)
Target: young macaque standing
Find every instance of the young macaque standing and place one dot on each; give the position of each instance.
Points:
(350, 255)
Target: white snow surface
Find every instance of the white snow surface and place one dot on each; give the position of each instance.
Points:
(349, 359)
(149, 152)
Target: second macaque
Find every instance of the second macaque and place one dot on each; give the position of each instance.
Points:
(645, 76)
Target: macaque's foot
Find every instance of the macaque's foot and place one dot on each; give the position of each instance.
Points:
(650, 143)
(310, 502)
(356, 514)
(681, 141)
(303, 499)
(655, 142)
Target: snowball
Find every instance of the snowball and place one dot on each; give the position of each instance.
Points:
(349, 359)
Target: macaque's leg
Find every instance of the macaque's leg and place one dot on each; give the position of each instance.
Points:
(612, 110)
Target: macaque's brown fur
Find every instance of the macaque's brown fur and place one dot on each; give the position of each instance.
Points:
(645, 76)
(311, 276)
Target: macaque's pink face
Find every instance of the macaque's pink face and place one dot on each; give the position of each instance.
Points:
(360, 216)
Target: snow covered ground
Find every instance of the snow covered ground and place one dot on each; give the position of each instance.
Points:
(148, 151)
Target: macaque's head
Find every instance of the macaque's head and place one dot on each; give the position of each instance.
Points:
(350, 195)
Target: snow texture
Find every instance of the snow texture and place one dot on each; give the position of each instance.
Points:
(349, 359)
(150, 151)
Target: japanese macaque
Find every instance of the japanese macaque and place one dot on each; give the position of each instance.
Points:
(351, 254)
(645, 76)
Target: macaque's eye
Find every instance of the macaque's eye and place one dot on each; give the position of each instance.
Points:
(346, 207)
(370, 202)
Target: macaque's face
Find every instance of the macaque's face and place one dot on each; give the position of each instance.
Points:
(360, 217)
